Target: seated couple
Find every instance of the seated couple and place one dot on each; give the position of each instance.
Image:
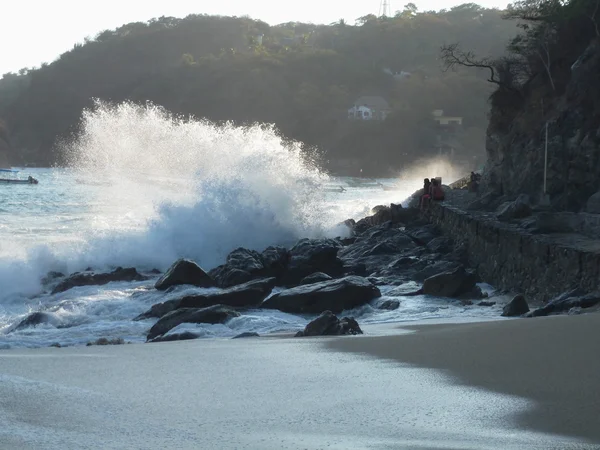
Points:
(432, 190)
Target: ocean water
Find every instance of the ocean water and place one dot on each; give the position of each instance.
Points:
(143, 188)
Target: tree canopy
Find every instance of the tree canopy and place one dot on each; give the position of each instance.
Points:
(301, 77)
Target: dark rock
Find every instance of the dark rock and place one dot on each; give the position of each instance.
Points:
(105, 341)
(486, 303)
(155, 272)
(185, 336)
(450, 284)
(565, 302)
(184, 271)
(51, 276)
(593, 204)
(213, 314)
(405, 290)
(389, 305)
(56, 345)
(38, 318)
(434, 269)
(159, 309)
(226, 276)
(516, 307)
(327, 324)
(241, 296)
(244, 265)
(335, 295)
(359, 269)
(313, 255)
(98, 279)
(247, 334)
(377, 241)
(440, 245)
(378, 208)
(316, 277)
(423, 235)
(515, 210)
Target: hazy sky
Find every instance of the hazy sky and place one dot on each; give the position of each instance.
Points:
(37, 31)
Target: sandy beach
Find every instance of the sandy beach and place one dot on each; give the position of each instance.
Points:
(281, 393)
(552, 361)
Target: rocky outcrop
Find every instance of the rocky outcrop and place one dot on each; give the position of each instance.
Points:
(184, 271)
(313, 255)
(516, 209)
(39, 318)
(515, 143)
(98, 279)
(185, 336)
(335, 295)
(213, 314)
(454, 284)
(516, 307)
(247, 334)
(243, 265)
(328, 324)
(567, 301)
(316, 277)
(243, 296)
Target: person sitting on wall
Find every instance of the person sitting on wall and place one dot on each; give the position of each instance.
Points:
(437, 193)
(426, 192)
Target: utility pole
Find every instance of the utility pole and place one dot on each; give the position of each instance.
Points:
(385, 8)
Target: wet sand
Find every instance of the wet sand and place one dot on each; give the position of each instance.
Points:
(282, 393)
(552, 360)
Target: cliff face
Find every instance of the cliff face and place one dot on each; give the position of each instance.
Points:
(515, 148)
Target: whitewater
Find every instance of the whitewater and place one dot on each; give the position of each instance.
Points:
(143, 187)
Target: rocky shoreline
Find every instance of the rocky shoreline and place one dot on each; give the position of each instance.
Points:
(418, 253)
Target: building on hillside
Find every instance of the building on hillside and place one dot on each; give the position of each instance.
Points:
(445, 120)
(369, 108)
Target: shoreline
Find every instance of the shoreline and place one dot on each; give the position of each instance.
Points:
(548, 360)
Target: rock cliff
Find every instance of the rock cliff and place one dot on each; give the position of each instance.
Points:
(516, 140)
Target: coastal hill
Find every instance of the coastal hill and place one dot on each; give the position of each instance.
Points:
(548, 78)
(303, 78)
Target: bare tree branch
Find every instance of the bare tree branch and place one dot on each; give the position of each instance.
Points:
(453, 56)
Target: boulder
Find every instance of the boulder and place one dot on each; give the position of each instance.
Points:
(327, 324)
(515, 210)
(51, 277)
(516, 307)
(593, 204)
(241, 296)
(439, 245)
(313, 255)
(450, 284)
(185, 336)
(316, 277)
(98, 279)
(38, 318)
(106, 341)
(565, 302)
(334, 295)
(389, 305)
(434, 269)
(244, 265)
(486, 303)
(184, 271)
(382, 240)
(247, 334)
(213, 314)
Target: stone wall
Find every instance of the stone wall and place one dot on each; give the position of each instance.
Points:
(513, 259)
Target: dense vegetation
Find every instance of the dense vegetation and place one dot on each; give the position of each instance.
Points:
(301, 77)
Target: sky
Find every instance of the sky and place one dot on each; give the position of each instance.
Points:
(37, 31)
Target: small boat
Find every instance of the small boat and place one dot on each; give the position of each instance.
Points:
(28, 180)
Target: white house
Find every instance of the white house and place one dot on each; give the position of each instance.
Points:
(369, 108)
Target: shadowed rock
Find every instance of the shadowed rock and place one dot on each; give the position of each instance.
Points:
(185, 336)
(516, 307)
(450, 284)
(242, 296)
(327, 324)
(244, 265)
(316, 277)
(213, 314)
(184, 271)
(567, 301)
(38, 318)
(334, 295)
(98, 279)
(247, 334)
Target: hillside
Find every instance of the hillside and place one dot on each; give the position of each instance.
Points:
(548, 78)
(301, 77)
